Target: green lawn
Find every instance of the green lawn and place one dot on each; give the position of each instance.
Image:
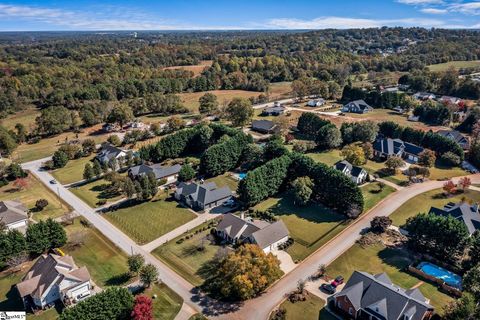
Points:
(372, 194)
(28, 196)
(9, 299)
(377, 259)
(93, 192)
(149, 220)
(225, 180)
(167, 303)
(73, 171)
(310, 226)
(329, 157)
(310, 309)
(454, 64)
(185, 258)
(106, 263)
(423, 202)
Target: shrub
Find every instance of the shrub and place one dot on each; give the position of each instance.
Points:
(450, 159)
(40, 204)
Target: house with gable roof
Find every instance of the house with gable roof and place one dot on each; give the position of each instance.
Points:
(13, 215)
(375, 297)
(465, 212)
(202, 196)
(54, 278)
(357, 106)
(357, 174)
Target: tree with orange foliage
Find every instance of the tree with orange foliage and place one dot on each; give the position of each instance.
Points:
(142, 310)
(464, 183)
(20, 183)
(449, 187)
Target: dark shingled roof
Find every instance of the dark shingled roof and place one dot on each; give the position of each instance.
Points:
(158, 170)
(205, 193)
(462, 211)
(263, 125)
(377, 295)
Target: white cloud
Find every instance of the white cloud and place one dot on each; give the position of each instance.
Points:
(470, 8)
(434, 11)
(420, 2)
(346, 23)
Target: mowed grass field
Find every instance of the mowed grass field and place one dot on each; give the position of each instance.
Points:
(73, 171)
(93, 192)
(378, 259)
(34, 191)
(310, 226)
(149, 220)
(197, 69)
(423, 202)
(310, 309)
(106, 263)
(225, 180)
(454, 64)
(373, 194)
(185, 259)
(166, 304)
(26, 117)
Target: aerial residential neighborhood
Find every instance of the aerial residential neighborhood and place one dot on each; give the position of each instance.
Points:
(309, 160)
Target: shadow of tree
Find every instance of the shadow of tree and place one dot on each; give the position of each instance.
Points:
(12, 301)
(118, 280)
(399, 258)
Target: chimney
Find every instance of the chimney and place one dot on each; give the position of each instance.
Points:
(242, 215)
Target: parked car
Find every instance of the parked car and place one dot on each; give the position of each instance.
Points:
(53, 181)
(230, 203)
(328, 288)
(338, 281)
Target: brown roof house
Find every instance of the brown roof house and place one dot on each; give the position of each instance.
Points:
(266, 235)
(53, 278)
(375, 297)
(14, 215)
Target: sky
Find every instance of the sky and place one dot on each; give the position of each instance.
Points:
(56, 15)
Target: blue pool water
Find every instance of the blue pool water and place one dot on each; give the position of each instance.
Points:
(450, 278)
(242, 175)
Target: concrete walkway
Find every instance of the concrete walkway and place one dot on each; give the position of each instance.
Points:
(201, 218)
(391, 184)
(185, 313)
(286, 261)
(474, 188)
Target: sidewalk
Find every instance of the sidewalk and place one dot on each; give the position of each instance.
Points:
(201, 218)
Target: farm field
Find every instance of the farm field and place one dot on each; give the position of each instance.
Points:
(454, 64)
(73, 171)
(106, 263)
(26, 117)
(378, 259)
(197, 69)
(93, 192)
(149, 220)
(47, 146)
(34, 191)
(373, 194)
(279, 90)
(185, 258)
(310, 226)
(310, 309)
(423, 202)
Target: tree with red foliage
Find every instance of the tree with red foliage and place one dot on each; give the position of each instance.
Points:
(464, 183)
(449, 187)
(20, 183)
(142, 310)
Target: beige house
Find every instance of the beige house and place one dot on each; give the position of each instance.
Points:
(14, 215)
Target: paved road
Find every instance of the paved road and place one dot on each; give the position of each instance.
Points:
(260, 307)
(264, 105)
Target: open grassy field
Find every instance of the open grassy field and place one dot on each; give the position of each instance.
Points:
(310, 309)
(454, 64)
(106, 263)
(149, 220)
(377, 259)
(93, 192)
(26, 117)
(190, 100)
(279, 90)
(185, 258)
(73, 171)
(197, 69)
(310, 226)
(423, 202)
(167, 303)
(372, 194)
(28, 196)
(47, 146)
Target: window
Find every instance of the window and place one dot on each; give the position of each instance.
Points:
(339, 304)
(350, 311)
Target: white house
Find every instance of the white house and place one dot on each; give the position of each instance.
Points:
(53, 278)
(316, 103)
(357, 174)
(14, 215)
(267, 236)
(109, 152)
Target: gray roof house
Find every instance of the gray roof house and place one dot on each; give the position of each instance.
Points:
(456, 136)
(108, 152)
(202, 196)
(461, 211)
(367, 296)
(54, 278)
(357, 106)
(266, 235)
(161, 172)
(316, 103)
(274, 111)
(387, 147)
(263, 126)
(357, 174)
(424, 96)
(13, 215)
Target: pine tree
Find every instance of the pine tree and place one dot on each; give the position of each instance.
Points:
(88, 172)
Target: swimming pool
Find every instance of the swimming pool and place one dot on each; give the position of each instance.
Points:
(450, 278)
(242, 175)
